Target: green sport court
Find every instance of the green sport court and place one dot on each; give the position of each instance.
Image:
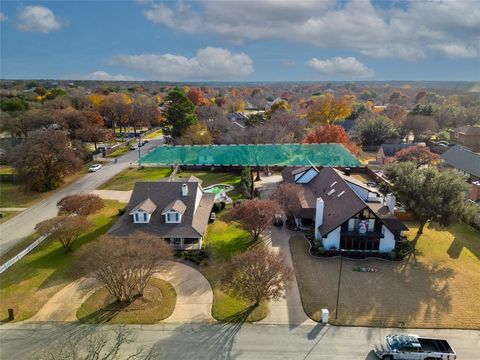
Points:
(252, 155)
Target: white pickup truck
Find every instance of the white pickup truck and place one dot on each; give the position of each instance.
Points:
(414, 347)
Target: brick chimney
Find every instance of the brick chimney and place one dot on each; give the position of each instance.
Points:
(475, 191)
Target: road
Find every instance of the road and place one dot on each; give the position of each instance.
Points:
(233, 341)
(22, 225)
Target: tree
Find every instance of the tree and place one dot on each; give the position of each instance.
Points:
(327, 109)
(196, 96)
(427, 193)
(258, 274)
(16, 103)
(80, 205)
(246, 181)
(196, 134)
(45, 158)
(144, 113)
(255, 119)
(180, 113)
(255, 216)
(374, 130)
(330, 134)
(420, 125)
(95, 134)
(123, 264)
(420, 155)
(286, 195)
(66, 229)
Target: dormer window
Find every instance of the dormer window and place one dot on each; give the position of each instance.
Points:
(143, 211)
(172, 217)
(141, 217)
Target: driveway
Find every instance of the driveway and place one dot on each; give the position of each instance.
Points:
(17, 228)
(288, 310)
(194, 296)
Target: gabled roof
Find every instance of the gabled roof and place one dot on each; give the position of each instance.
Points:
(146, 206)
(469, 130)
(165, 194)
(463, 159)
(176, 205)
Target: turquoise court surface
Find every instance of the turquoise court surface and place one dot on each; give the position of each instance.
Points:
(252, 155)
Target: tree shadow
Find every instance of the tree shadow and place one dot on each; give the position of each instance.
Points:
(105, 314)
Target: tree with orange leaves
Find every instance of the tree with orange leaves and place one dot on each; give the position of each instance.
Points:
(331, 134)
(197, 97)
(327, 109)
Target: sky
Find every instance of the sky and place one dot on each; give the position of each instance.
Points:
(284, 40)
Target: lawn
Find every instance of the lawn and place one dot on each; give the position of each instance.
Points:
(223, 240)
(153, 135)
(437, 286)
(28, 284)
(157, 303)
(126, 179)
(120, 152)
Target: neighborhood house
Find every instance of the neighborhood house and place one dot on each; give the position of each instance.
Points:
(387, 152)
(175, 210)
(346, 213)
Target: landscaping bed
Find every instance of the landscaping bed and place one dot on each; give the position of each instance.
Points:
(157, 303)
(433, 288)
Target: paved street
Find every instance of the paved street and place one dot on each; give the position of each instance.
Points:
(20, 226)
(234, 341)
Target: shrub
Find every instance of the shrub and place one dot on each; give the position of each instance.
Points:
(218, 206)
(195, 256)
(392, 255)
(122, 211)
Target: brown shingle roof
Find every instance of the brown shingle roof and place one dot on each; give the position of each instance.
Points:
(176, 205)
(146, 206)
(193, 224)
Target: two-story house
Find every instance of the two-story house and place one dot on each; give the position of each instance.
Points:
(345, 213)
(177, 211)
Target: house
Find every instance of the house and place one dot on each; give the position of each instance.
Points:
(468, 136)
(464, 160)
(346, 213)
(387, 152)
(175, 210)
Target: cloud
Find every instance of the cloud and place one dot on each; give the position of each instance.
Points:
(38, 19)
(208, 64)
(456, 51)
(2, 16)
(400, 30)
(348, 67)
(102, 76)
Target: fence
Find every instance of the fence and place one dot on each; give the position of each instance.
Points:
(22, 253)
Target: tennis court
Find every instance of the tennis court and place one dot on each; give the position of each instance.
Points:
(252, 155)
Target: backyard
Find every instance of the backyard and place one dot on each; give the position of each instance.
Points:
(437, 287)
(28, 284)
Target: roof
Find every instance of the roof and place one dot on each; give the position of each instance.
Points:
(357, 182)
(463, 159)
(168, 194)
(146, 206)
(391, 149)
(469, 130)
(176, 205)
(329, 184)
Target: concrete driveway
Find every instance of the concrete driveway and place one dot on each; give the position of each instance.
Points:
(288, 310)
(194, 296)
(17, 228)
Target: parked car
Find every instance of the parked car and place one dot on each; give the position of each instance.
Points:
(133, 146)
(278, 220)
(410, 346)
(94, 167)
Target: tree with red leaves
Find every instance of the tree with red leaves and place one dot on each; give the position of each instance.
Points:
(420, 155)
(197, 97)
(80, 204)
(331, 134)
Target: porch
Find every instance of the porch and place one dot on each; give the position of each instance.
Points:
(186, 243)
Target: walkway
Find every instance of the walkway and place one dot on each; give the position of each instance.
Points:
(288, 310)
(194, 296)
(121, 196)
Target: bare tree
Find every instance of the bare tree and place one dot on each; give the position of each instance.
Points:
(66, 229)
(258, 274)
(76, 345)
(286, 195)
(255, 215)
(80, 204)
(124, 264)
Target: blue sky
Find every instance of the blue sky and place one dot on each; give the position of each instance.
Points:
(241, 40)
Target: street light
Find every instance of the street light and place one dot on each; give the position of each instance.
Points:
(338, 287)
(139, 142)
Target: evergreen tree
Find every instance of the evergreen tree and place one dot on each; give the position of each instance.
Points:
(180, 113)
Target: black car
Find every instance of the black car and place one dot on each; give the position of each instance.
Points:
(278, 220)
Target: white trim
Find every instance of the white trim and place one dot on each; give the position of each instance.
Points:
(171, 212)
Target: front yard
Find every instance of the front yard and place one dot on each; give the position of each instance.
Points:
(126, 179)
(437, 287)
(28, 284)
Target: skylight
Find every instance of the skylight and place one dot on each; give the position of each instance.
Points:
(331, 192)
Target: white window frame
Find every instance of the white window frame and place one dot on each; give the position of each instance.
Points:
(169, 221)
(141, 217)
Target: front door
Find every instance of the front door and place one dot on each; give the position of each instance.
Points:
(178, 243)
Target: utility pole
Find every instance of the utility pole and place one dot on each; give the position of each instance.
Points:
(338, 287)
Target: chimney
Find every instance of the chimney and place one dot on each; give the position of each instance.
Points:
(319, 216)
(184, 189)
(475, 191)
(390, 202)
(347, 171)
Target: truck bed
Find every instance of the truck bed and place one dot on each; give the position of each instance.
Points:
(435, 345)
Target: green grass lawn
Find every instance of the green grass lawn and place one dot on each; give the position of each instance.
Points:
(153, 135)
(28, 284)
(5, 169)
(223, 240)
(7, 215)
(127, 178)
(157, 303)
(120, 152)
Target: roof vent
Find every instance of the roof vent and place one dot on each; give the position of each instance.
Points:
(333, 184)
(184, 189)
(343, 192)
(331, 192)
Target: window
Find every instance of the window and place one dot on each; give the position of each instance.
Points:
(136, 217)
(145, 217)
(172, 217)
